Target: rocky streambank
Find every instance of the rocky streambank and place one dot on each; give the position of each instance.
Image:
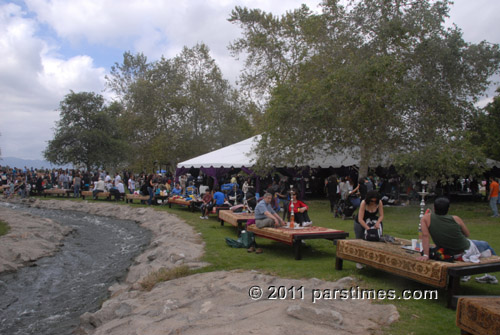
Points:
(29, 238)
(218, 302)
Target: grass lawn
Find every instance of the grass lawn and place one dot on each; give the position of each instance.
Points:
(4, 228)
(416, 316)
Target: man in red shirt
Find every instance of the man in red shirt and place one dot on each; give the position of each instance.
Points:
(493, 196)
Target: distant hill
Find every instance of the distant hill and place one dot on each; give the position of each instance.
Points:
(29, 163)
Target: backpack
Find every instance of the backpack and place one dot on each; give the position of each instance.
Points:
(246, 240)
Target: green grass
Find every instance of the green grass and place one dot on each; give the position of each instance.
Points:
(4, 228)
(416, 316)
(318, 259)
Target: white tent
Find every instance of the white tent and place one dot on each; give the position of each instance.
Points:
(242, 154)
(235, 155)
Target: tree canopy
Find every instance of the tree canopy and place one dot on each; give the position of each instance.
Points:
(375, 78)
(178, 108)
(86, 134)
(485, 129)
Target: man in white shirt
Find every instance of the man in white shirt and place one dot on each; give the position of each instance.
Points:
(98, 187)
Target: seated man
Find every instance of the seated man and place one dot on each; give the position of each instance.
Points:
(220, 199)
(98, 187)
(191, 189)
(177, 190)
(118, 191)
(450, 233)
(265, 216)
(207, 205)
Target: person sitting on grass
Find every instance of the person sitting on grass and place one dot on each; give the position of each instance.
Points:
(299, 210)
(207, 205)
(265, 216)
(450, 233)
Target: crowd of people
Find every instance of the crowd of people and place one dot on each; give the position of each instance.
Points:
(29, 181)
(449, 233)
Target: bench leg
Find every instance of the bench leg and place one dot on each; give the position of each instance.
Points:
(297, 249)
(339, 263)
(453, 289)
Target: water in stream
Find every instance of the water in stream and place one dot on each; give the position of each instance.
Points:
(50, 297)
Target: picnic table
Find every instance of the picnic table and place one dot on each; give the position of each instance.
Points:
(393, 258)
(294, 237)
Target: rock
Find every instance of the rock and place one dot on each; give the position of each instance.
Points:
(28, 239)
(123, 310)
(316, 316)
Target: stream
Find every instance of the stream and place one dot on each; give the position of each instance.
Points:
(49, 297)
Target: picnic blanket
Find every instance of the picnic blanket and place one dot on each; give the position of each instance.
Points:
(394, 259)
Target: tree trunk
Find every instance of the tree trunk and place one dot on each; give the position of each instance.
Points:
(364, 160)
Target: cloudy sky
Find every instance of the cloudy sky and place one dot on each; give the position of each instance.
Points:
(49, 47)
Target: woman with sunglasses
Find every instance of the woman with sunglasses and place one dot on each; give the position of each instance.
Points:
(299, 210)
(371, 214)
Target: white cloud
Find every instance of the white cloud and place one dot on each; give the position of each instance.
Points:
(153, 27)
(77, 73)
(32, 83)
(37, 69)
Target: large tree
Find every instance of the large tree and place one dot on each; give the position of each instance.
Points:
(180, 107)
(87, 133)
(372, 78)
(485, 129)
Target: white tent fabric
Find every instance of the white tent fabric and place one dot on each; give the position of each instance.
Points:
(242, 154)
(235, 155)
(491, 163)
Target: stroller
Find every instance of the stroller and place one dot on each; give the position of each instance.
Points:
(347, 207)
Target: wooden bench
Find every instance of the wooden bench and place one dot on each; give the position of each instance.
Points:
(394, 259)
(56, 191)
(191, 204)
(131, 197)
(478, 315)
(235, 219)
(294, 237)
(216, 210)
(106, 195)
